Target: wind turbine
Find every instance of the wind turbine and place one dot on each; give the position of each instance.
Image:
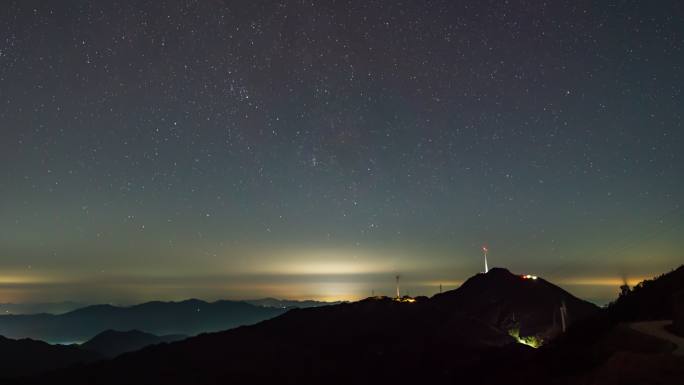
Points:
(564, 315)
(484, 251)
(397, 278)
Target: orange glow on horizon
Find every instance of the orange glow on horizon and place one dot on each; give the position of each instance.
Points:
(600, 281)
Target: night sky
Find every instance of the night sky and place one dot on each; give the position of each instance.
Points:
(314, 149)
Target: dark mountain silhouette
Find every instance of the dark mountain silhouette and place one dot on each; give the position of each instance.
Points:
(288, 304)
(111, 343)
(450, 338)
(678, 317)
(28, 357)
(161, 318)
(508, 301)
(377, 340)
(605, 349)
(652, 299)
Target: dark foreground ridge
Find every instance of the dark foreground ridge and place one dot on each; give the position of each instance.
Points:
(28, 357)
(461, 336)
(377, 340)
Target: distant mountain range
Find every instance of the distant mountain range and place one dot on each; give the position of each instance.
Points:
(189, 317)
(378, 340)
(461, 336)
(289, 304)
(111, 343)
(67, 306)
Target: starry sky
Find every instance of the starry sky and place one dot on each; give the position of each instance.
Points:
(170, 149)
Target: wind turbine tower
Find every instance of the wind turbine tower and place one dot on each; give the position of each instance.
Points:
(484, 251)
(397, 278)
(564, 315)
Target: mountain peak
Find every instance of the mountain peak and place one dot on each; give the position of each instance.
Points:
(508, 301)
(498, 272)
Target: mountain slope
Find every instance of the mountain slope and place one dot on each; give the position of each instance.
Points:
(161, 318)
(459, 336)
(651, 299)
(112, 343)
(508, 301)
(375, 340)
(28, 357)
(678, 317)
(607, 349)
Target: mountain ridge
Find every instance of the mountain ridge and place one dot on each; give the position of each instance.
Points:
(24, 357)
(187, 317)
(507, 301)
(446, 338)
(111, 343)
(385, 339)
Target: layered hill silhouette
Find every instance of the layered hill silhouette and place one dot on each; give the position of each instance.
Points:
(111, 343)
(29, 357)
(446, 338)
(379, 339)
(24, 357)
(189, 317)
(461, 336)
